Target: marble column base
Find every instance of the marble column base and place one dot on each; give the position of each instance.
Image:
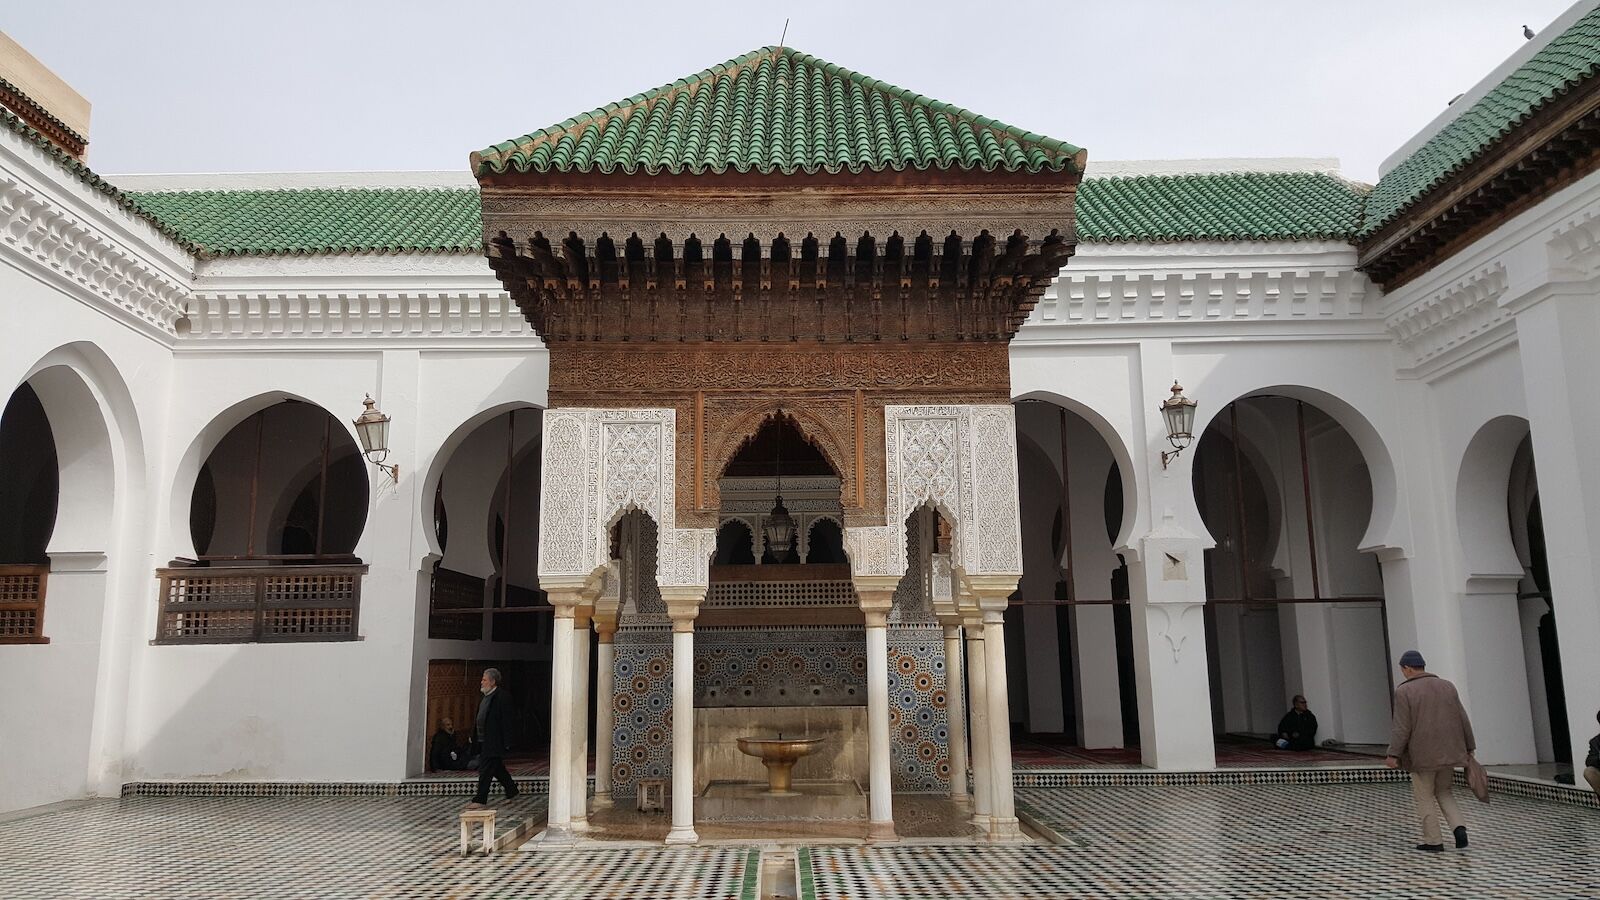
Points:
(557, 835)
(882, 832)
(1005, 830)
(682, 836)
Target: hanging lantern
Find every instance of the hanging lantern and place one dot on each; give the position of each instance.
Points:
(780, 525)
(780, 531)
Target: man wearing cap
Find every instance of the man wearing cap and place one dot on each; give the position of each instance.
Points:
(1431, 737)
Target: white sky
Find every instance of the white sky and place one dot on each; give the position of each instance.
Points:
(340, 85)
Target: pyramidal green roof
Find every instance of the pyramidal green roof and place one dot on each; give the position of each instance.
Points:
(1571, 57)
(777, 110)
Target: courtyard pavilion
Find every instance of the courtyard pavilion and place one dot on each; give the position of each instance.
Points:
(779, 254)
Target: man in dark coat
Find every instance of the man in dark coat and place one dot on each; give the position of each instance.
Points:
(443, 753)
(1591, 765)
(1297, 730)
(1431, 737)
(494, 734)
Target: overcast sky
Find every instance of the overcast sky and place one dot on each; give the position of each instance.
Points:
(339, 85)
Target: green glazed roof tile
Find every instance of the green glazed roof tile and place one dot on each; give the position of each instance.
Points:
(311, 221)
(1240, 206)
(1153, 208)
(777, 110)
(1571, 57)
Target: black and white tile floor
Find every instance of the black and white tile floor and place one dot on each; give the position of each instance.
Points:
(323, 847)
(1241, 841)
(1224, 841)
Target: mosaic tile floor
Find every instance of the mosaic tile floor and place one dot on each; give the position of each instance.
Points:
(1237, 842)
(1234, 841)
(345, 847)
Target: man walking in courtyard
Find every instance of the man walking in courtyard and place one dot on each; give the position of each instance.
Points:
(1591, 765)
(494, 733)
(1430, 738)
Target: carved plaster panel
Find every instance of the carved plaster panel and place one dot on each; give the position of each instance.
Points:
(962, 459)
(600, 464)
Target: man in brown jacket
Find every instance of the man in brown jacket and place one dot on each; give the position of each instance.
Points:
(1431, 737)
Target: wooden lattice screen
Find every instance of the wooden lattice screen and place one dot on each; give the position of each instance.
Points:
(450, 593)
(22, 604)
(267, 604)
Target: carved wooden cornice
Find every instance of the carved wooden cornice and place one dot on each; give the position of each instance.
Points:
(712, 259)
(1555, 147)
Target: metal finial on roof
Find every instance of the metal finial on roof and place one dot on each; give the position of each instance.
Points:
(785, 35)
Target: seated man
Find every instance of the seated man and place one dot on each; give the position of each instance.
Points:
(443, 753)
(1591, 765)
(1297, 730)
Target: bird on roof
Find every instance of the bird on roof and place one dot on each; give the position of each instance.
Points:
(1527, 33)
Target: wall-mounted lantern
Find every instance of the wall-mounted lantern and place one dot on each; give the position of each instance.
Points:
(1178, 411)
(372, 427)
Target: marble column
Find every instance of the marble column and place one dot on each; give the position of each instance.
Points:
(683, 604)
(955, 690)
(558, 829)
(993, 593)
(978, 700)
(876, 594)
(580, 718)
(605, 718)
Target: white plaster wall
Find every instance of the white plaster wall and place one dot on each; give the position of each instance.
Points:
(62, 722)
(261, 711)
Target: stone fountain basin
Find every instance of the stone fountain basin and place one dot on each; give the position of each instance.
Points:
(779, 756)
(778, 749)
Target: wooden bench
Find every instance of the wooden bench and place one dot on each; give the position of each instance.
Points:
(485, 817)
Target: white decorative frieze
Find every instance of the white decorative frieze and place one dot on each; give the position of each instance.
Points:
(46, 234)
(1147, 297)
(1452, 315)
(1575, 245)
(415, 314)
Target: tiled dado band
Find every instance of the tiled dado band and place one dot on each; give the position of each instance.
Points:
(1064, 778)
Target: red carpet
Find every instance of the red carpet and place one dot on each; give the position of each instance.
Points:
(1058, 752)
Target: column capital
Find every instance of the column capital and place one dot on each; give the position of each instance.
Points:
(565, 601)
(991, 592)
(605, 625)
(875, 593)
(683, 604)
(582, 614)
